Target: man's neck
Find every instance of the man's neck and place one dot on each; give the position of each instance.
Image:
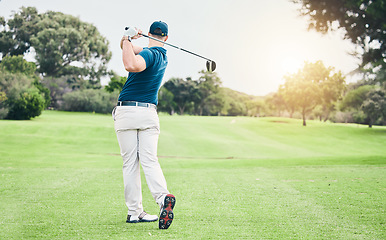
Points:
(153, 43)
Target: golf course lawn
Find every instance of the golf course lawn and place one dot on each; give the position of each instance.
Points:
(233, 178)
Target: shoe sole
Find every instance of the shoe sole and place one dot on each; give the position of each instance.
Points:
(148, 220)
(141, 220)
(135, 221)
(167, 215)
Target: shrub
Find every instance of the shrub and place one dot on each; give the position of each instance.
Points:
(359, 117)
(89, 100)
(349, 117)
(3, 109)
(45, 92)
(22, 99)
(30, 104)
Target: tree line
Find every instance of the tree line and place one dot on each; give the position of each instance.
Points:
(71, 56)
(204, 96)
(320, 92)
(363, 22)
(313, 92)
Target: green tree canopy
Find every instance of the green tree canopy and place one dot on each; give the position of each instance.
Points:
(208, 97)
(275, 103)
(201, 97)
(64, 44)
(15, 37)
(184, 92)
(331, 91)
(375, 105)
(166, 101)
(17, 64)
(355, 98)
(311, 86)
(285, 97)
(116, 83)
(363, 20)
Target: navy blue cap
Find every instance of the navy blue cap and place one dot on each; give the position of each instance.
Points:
(159, 25)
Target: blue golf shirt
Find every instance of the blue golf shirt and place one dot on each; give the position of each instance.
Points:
(143, 86)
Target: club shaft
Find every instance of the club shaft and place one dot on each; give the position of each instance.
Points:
(155, 39)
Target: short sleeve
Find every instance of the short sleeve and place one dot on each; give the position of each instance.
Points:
(148, 56)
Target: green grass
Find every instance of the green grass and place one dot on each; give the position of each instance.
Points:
(234, 178)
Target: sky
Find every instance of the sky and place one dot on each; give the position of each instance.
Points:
(253, 42)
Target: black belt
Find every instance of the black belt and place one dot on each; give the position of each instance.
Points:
(137, 104)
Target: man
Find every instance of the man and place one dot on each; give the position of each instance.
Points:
(137, 125)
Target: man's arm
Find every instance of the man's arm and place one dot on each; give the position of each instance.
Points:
(132, 61)
(137, 49)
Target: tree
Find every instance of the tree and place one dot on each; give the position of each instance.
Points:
(303, 88)
(166, 101)
(17, 64)
(64, 45)
(284, 96)
(237, 108)
(116, 83)
(311, 86)
(276, 103)
(215, 103)
(235, 102)
(184, 92)
(208, 86)
(63, 40)
(332, 90)
(375, 105)
(355, 98)
(255, 107)
(15, 37)
(364, 22)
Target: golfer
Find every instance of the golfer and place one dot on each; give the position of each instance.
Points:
(137, 125)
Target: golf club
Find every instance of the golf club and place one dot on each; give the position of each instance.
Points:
(210, 64)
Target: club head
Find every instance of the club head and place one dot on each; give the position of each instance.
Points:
(210, 66)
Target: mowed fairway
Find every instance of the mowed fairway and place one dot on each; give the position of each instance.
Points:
(233, 177)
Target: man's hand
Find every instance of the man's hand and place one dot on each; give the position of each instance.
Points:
(138, 35)
(130, 33)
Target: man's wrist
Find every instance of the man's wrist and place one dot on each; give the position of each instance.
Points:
(126, 38)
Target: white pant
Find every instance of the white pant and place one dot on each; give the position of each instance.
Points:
(137, 130)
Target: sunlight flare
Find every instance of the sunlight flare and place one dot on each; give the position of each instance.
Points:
(290, 65)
